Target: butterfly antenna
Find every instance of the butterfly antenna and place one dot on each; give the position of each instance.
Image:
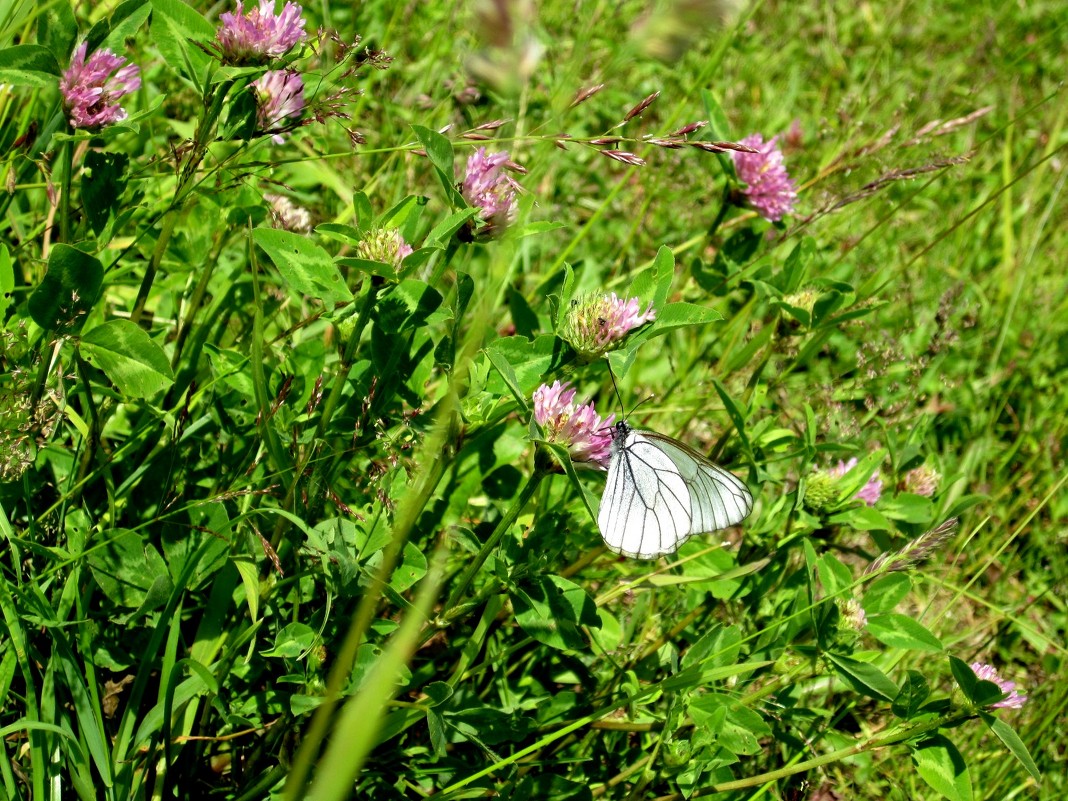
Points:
(615, 387)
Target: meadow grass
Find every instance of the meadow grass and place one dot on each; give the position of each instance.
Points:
(284, 511)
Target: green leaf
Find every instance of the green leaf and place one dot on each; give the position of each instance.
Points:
(530, 361)
(912, 696)
(940, 764)
(412, 568)
(441, 233)
(438, 148)
(103, 182)
(908, 507)
(57, 29)
(550, 609)
(128, 569)
(68, 291)
(28, 65)
(979, 691)
(834, 576)
(721, 646)
(436, 729)
(305, 266)
(861, 518)
(378, 268)
(124, 22)
(406, 306)
(885, 593)
(292, 641)
(510, 380)
(438, 692)
(681, 315)
(734, 726)
(129, 357)
(1012, 741)
(653, 284)
(864, 677)
(439, 151)
(735, 412)
(174, 23)
(964, 676)
(901, 631)
(796, 266)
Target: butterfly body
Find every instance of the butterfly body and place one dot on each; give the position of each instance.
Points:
(660, 493)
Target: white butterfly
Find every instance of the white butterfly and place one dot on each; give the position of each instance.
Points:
(660, 493)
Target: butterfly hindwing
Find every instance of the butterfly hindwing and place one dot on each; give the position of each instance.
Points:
(659, 493)
(718, 497)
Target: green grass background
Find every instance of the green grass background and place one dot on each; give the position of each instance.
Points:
(930, 146)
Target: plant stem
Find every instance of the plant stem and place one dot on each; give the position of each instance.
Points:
(892, 738)
(495, 538)
(94, 419)
(170, 217)
(213, 101)
(197, 299)
(64, 200)
(724, 207)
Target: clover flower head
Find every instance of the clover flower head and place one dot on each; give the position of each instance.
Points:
(580, 429)
(279, 101)
(870, 492)
(287, 215)
(987, 673)
(92, 87)
(853, 614)
(385, 245)
(922, 480)
(769, 189)
(598, 323)
(259, 35)
(820, 491)
(487, 187)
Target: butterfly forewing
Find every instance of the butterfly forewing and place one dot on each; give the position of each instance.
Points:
(660, 492)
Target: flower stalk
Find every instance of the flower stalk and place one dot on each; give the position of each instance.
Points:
(541, 469)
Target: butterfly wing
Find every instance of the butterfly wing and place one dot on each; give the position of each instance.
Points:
(659, 493)
(645, 509)
(718, 498)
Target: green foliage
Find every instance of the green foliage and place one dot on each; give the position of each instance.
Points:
(282, 516)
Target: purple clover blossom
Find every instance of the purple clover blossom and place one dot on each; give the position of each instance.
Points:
(287, 215)
(769, 189)
(259, 35)
(92, 87)
(488, 188)
(853, 614)
(279, 98)
(597, 324)
(987, 673)
(870, 492)
(922, 480)
(587, 437)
